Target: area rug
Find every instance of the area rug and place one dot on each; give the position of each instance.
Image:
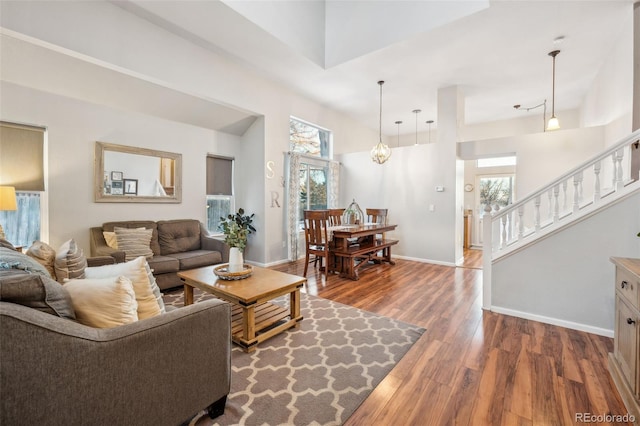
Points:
(316, 374)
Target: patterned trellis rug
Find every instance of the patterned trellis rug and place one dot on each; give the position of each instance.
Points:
(316, 374)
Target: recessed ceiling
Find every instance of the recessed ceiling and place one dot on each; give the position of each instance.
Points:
(497, 55)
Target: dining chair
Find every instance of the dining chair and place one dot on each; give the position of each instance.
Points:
(316, 223)
(378, 216)
(335, 217)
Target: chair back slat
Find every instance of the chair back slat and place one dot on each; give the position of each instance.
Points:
(315, 226)
(377, 216)
(335, 217)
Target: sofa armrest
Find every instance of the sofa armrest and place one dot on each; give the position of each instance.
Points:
(160, 370)
(208, 242)
(100, 261)
(99, 246)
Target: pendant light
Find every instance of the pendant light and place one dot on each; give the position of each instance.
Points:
(381, 152)
(553, 123)
(416, 112)
(429, 122)
(398, 123)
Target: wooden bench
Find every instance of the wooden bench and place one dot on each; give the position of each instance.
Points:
(349, 261)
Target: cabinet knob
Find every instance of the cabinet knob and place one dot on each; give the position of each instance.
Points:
(630, 321)
(623, 284)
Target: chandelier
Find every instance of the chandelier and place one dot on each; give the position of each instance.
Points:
(381, 152)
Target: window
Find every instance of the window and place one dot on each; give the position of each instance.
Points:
(308, 139)
(220, 198)
(497, 161)
(313, 188)
(22, 150)
(496, 190)
(22, 226)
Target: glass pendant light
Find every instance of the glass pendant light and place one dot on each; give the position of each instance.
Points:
(416, 112)
(429, 122)
(381, 152)
(399, 122)
(553, 123)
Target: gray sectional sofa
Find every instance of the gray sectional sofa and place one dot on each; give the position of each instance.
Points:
(56, 371)
(177, 245)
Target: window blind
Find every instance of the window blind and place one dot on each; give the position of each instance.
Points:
(22, 157)
(219, 175)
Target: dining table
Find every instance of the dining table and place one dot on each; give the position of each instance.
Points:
(354, 246)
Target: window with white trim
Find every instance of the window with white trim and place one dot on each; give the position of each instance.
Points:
(220, 196)
(22, 152)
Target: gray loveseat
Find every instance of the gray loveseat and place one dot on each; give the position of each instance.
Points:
(157, 371)
(177, 245)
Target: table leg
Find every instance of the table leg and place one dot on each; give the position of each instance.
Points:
(248, 323)
(294, 305)
(188, 295)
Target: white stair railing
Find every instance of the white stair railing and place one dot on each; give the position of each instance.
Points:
(571, 196)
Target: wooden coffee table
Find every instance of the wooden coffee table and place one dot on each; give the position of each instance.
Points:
(253, 319)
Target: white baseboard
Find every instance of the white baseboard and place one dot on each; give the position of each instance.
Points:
(415, 259)
(553, 321)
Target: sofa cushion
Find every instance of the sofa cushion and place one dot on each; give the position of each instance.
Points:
(164, 264)
(133, 224)
(36, 291)
(44, 254)
(177, 236)
(197, 258)
(12, 259)
(103, 302)
(70, 262)
(6, 244)
(134, 242)
(149, 300)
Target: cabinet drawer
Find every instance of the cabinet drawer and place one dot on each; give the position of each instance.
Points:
(627, 285)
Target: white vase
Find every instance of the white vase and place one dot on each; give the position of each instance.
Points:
(236, 261)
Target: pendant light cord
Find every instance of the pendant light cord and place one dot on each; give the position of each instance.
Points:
(380, 120)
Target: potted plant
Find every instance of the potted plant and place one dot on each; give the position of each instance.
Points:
(236, 229)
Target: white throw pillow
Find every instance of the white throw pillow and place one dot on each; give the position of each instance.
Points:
(103, 302)
(149, 298)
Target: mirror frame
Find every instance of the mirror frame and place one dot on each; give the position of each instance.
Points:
(98, 167)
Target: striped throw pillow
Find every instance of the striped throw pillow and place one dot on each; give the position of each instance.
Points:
(134, 242)
(70, 262)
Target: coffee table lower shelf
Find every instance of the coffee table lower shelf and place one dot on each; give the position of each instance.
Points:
(270, 319)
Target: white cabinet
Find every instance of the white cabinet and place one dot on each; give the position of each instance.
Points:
(624, 363)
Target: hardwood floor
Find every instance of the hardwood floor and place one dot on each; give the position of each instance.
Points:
(471, 367)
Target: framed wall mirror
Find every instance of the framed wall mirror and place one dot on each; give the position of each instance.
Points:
(127, 174)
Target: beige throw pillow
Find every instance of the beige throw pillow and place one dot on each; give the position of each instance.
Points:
(45, 255)
(110, 238)
(150, 303)
(69, 262)
(103, 302)
(134, 242)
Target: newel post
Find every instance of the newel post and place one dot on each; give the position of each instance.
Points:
(487, 254)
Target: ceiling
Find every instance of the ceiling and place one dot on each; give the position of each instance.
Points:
(334, 52)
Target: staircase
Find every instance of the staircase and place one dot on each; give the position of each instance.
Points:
(574, 196)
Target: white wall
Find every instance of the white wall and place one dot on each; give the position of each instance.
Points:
(124, 40)
(541, 157)
(610, 98)
(567, 278)
(74, 127)
(406, 186)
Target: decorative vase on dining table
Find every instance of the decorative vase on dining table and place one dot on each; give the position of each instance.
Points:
(236, 261)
